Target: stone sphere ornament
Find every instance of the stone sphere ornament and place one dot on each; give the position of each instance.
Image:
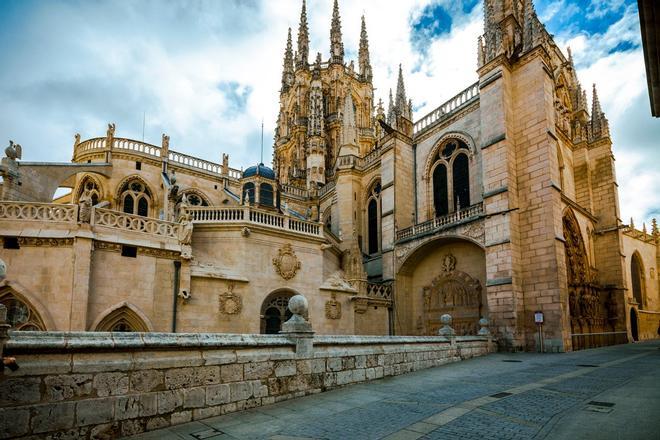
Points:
(446, 319)
(446, 329)
(3, 270)
(483, 323)
(298, 305)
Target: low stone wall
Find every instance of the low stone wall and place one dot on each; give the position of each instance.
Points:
(106, 385)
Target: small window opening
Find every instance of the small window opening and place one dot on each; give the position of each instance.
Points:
(10, 243)
(138, 165)
(129, 251)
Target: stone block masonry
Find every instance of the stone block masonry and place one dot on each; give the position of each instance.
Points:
(107, 385)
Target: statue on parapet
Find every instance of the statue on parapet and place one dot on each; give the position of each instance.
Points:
(13, 151)
(76, 140)
(165, 148)
(85, 207)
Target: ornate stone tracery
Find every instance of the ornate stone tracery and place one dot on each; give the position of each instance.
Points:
(453, 292)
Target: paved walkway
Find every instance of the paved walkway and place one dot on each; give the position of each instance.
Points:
(607, 393)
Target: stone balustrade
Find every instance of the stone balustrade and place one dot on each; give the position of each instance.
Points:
(439, 223)
(294, 191)
(152, 151)
(380, 291)
(467, 96)
(252, 216)
(40, 212)
(108, 385)
(134, 223)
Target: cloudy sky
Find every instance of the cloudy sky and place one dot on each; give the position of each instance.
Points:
(207, 72)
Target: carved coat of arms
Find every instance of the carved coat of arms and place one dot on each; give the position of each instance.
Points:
(333, 308)
(230, 302)
(286, 263)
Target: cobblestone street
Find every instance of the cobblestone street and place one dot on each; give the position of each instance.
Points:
(607, 393)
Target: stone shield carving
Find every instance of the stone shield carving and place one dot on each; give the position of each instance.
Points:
(230, 302)
(333, 308)
(286, 263)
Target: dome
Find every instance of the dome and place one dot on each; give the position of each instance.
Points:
(259, 170)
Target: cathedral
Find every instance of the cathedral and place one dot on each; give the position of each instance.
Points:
(501, 203)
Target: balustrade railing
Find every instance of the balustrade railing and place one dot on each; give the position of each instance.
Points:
(99, 144)
(135, 223)
(39, 212)
(381, 291)
(249, 215)
(447, 108)
(327, 188)
(440, 222)
(371, 158)
(294, 191)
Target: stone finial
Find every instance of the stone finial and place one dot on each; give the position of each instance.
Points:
(13, 151)
(446, 330)
(632, 223)
(298, 306)
(365, 64)
(644, 228)
(483, 331)
(288, 65)
(3, 270)
(336, 45)
(302, 54)
(654, 227)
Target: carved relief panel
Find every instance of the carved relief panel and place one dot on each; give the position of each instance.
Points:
(453, 292)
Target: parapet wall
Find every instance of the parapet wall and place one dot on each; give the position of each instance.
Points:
(106, 385)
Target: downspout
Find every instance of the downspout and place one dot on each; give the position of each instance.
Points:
(177, 276)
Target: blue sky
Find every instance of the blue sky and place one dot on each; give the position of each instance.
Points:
(206, 72)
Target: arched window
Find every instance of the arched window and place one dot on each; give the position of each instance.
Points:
(266, 194)
(248, 192)
(274, 312)
(135, 198)
(373, 221)
(461, 181)
(20, 315)
(92, 187)
(122, 319)
(440, 200)
(195, 199)
(637, 278)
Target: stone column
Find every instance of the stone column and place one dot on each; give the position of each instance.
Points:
(82, 266)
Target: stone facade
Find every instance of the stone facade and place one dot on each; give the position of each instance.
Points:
(511, 181)
(91, 385)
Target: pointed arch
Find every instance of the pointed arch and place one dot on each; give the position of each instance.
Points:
(196, 197)
(122, 317)
(24, 310)
(637, 279)
(135, 196)
(577, 263)
(91, 183)
(441, 143)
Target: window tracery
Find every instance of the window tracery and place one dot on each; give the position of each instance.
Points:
(20, 315)
(135, 197)
(450, 177)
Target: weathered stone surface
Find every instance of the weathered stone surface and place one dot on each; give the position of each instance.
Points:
(181, 417)
(334, 364)
(258, 370)
(240, 391)
(157, 423)
(259, 389)
(146, 380)
(95, 411)
(127, 407)
(64, 387)
(169, 401)
(217, 394)
(111, 384)
(20, 390)
(285, 368)
(106, 431)
(52, 416)
(231, 373)
(205, 413)
(194, 397)
(132, 427)
(14, 422)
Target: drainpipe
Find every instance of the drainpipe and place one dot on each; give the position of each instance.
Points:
(177, 276)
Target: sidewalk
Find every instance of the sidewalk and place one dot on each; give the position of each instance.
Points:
(606, 393)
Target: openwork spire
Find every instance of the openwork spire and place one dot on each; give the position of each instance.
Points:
(391, 116)
(401, 103)
(288, 67)
(365, 64)
(599, 125)
(302, 55)
(530, 28)
(336, 46)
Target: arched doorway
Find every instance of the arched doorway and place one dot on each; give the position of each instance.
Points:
(634, 330)
(275, 311)
(637, 279)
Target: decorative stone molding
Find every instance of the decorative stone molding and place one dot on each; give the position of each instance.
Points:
(230, 303)
(158, 253)
(105, 246)
(45, 242)
(286, 263)
(333, 308)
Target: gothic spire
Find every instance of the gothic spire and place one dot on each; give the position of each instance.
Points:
(288, 67)
(391, 116)
(599, 124)
(529, 25)
(302, 55)
(336, 46)
(365, 64)
(400, 105)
